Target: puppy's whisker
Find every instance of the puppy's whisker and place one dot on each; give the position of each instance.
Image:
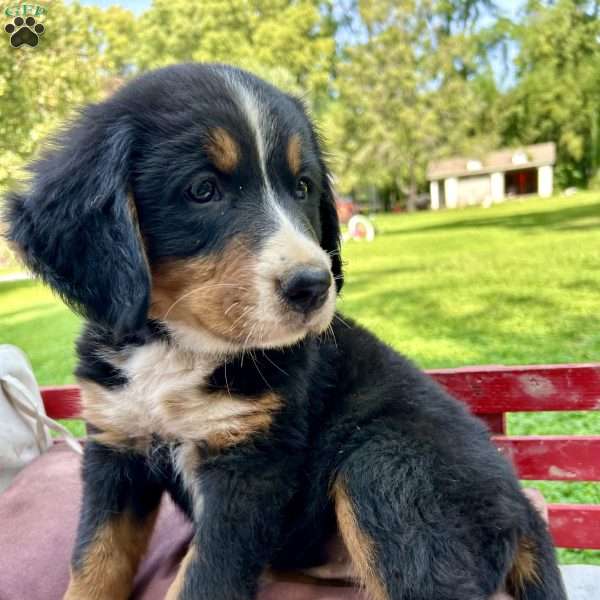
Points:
(245, 344)
(199, 289)
(330, 330)
(226, 382)
(244, 313)
(260, 372)
(275, 365)
(232, 305)
(336, 316)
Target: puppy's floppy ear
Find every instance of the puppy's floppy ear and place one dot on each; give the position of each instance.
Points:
(330, 231)
(77, 228)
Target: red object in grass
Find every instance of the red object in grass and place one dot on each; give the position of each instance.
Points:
(346, 208)
(491, 392)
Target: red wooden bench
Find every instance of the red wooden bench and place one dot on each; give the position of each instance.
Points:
(492, 392)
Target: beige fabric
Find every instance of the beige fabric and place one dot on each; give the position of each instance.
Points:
(24, 425)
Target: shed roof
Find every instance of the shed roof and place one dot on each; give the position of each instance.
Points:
(507, 159)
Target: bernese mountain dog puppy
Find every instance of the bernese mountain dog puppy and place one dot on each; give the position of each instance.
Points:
(190, 218)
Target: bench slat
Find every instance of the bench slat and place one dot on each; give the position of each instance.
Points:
(488, 390)
(62, 402)
(575, 525)
(553, 458)
(524, 389)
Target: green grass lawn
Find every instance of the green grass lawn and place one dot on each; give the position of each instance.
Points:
(514, 284)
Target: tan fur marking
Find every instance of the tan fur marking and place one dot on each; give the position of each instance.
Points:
(211, 293)
(226, 420)
(524, 569)
(294, 154)
(223, 150)
(111, 561)
(360, 546)
(176, 587)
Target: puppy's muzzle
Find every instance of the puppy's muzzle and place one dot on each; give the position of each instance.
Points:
(305, 289)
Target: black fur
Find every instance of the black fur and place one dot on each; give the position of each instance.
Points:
(114, 483)
(74, 227)
(443, 510)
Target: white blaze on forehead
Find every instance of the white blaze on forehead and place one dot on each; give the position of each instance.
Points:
(289, 247)
(256, 113)
(261, 122)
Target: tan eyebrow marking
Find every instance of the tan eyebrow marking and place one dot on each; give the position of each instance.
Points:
(294, 153)
(223, 150)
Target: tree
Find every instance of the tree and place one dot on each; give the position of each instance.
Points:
(558, 86)
(81, 50)
(289, 43)
(411, 91)
(395, 83)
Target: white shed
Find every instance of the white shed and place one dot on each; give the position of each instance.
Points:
(456, 182)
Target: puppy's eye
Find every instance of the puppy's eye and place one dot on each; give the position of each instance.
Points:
(302, 188)
(202, 191)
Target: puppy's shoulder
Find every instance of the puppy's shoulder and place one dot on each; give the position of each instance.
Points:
(373, 375)
(363, 357)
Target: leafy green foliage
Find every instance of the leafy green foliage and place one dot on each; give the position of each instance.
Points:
(413, 90)
(289, 43)
(82, 51)
(394, 84)
(556, 96)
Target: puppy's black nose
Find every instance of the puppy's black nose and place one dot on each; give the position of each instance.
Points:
(305, 289)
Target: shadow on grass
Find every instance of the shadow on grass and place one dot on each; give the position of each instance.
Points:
(32, 310)
(481, 332)
(588, 285)
(565, 219)
(43, 321)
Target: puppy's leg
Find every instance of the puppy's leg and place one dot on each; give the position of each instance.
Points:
(238, 517)
(534, 574)
(120, 503)
(406, 540)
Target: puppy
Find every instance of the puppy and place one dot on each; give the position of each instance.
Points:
(190, 219)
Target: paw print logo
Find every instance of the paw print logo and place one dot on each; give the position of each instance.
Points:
(24, 31)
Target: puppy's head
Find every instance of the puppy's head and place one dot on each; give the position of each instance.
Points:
(197, 196)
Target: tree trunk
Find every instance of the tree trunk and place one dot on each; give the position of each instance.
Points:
(411, 201)
(595, 142)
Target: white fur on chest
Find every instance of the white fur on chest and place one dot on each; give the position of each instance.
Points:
(165, 395)
(156, 372)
